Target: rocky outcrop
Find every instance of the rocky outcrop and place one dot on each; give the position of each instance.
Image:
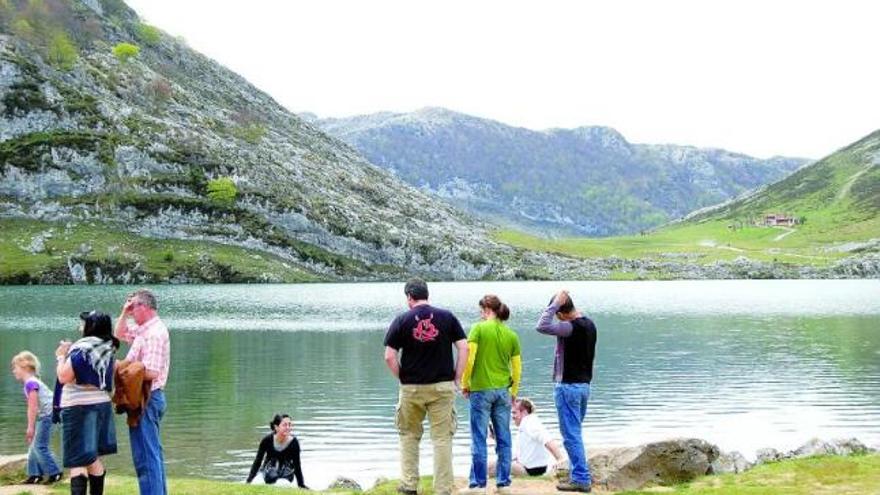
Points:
(132, 145)
(667, 462)
(840, 446)
(730, 462)
(815, 447)
(343, 483)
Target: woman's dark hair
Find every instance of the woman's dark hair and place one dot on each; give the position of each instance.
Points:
(492, 302)
(98, 324)
(277, 421)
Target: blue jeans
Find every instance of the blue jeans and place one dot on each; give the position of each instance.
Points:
(146, 447)
(40, 461)
(491, 404)
(571, 406)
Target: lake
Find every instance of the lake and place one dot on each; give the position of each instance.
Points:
(743, 364)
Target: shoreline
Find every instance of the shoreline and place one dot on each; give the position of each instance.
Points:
(666, 463)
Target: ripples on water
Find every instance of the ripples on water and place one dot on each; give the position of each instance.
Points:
(744, 364)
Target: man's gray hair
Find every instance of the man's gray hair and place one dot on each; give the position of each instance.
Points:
(146, 297)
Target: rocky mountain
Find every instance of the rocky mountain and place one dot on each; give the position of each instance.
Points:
(126, 156)
(588, 181)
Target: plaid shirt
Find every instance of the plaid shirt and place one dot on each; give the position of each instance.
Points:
(150, 345)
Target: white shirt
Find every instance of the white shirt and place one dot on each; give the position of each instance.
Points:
(530, 443)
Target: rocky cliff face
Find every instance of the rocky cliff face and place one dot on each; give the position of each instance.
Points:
(133, 140)
(611, 186)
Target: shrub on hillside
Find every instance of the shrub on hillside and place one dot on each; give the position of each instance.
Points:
(125, 51)
(61, 52)
(23, 29)
(222, 190)
(252, 133)
(149, 34)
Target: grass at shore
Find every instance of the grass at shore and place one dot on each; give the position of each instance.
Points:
(853, 475)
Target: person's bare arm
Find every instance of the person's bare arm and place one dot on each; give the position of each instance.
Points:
(556, 449)
(33, 404)
(64, 369)
(391, 361)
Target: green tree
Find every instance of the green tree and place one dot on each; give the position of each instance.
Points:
(125, 51)
(61, 51)
(222, 190)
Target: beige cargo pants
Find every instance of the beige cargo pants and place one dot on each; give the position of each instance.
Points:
(437, 401)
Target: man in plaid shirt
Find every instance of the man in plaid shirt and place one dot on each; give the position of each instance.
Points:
(151, 346)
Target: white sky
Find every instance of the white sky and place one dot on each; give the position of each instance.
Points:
(798, 78)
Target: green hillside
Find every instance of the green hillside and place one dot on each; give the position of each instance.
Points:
(836, 199)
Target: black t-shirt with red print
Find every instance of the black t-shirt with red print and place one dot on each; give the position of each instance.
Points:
(425, 336)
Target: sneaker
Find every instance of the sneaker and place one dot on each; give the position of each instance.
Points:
(405, 491)
(503, 490)
(32, 480)
(473, 490)
(55, 478)
(571, 486)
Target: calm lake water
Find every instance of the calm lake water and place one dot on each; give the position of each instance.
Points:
(744, 364)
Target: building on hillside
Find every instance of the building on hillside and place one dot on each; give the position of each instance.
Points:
(779, 220)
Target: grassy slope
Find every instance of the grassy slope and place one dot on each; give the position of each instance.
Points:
(160, 258)
(839, 197)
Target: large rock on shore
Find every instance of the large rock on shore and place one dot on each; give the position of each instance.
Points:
(667, 462)
(12, 463)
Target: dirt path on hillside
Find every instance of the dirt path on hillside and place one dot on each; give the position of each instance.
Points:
(788, 231)
(847, 186)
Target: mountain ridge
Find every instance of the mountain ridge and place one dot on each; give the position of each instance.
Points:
(613, 186)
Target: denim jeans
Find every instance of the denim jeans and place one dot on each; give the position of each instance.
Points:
(146, 447)
(40, 460)
(489, 404)
(571, 406)
(87, 433)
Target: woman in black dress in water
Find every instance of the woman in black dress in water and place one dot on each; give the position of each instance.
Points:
(278, 455)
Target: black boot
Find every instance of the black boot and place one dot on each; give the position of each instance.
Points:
(96, 484)
(79, 484)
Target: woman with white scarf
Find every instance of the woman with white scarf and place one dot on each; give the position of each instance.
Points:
(85, 368)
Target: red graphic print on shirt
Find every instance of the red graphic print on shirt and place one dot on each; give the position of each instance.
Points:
(425, 331)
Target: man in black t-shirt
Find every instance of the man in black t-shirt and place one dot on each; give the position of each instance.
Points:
(418, 351)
